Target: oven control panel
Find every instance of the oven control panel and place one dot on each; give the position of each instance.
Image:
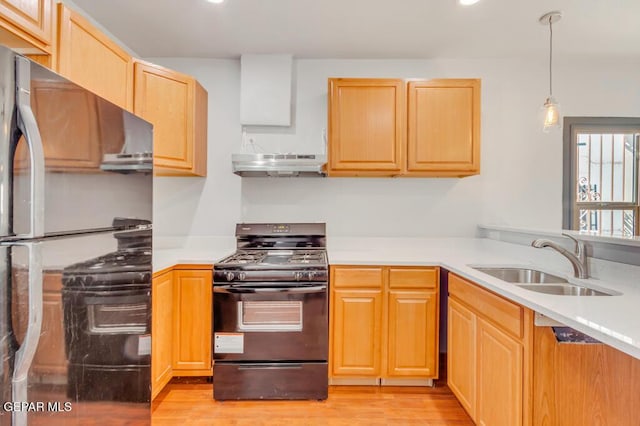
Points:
(280, 229)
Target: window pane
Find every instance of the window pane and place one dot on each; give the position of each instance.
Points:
(607, 222)
(605, 167)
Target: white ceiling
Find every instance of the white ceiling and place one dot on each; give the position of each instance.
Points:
(369, 28)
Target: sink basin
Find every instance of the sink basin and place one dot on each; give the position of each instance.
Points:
(521, 275)
(538, 281)
(564, 290)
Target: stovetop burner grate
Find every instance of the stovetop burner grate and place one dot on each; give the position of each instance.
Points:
(260, 258)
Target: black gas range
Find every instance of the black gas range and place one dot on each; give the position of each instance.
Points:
(271, 314)
(299, 265)
(107, 322)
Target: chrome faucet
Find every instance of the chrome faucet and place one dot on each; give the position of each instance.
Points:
(578, 259)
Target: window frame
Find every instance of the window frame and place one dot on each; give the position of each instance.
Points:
(571, 126)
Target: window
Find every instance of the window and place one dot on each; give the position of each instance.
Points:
(601, 172)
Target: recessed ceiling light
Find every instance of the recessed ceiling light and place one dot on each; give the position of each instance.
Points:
(462, 2)
(216, 1)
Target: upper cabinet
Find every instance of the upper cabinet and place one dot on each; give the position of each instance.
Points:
(366, 127)
(386, 127)
(25, 25)
(91, 59)
(443, 127)
(176, 105)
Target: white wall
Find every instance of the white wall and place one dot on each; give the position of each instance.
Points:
(186, 206)
(521, 168)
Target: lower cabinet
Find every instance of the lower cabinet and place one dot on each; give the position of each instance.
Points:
(490, 355)
(583, 384)
(181, 324)
(161, 332)
(383, 325)
(192, 297)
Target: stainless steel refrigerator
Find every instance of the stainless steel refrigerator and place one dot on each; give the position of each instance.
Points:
(75, 253)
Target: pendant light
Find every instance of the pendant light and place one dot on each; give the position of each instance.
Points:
(551, 109)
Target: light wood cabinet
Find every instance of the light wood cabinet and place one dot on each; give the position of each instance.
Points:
(500, 377)
(50, 358)
(387, 127)
(383, 325)
(583, 384)
(181, 324)
(162, 332)
(412, 326)
(65, 113)
(443, 133)
(176, 105)
(357, 324)
(366, 127)
(26, 25)
(461, 355)
(89, 58)
(490, 355)
(192, 313)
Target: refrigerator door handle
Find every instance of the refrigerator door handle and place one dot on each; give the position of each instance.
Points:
(29, 128)
(24, 355)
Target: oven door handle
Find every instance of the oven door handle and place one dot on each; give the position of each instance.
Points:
(297, 290)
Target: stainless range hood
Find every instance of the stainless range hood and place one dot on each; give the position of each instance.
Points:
(279, 165)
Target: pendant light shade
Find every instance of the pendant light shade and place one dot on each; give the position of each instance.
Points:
(551, 109)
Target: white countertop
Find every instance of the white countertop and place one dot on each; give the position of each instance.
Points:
(614, 320)
(166, 258)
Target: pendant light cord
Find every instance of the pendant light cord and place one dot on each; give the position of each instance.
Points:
(550, 56)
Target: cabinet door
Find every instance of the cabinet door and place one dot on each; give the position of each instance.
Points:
(162, 332)
(412, 325)
(50, 358)
(500, 372)
(25, 24)
(89, 58)
(192, 297)
(65, 113)
(366, 127)
(444, 127)
(176, 105)
(356, 331)
(461, 355)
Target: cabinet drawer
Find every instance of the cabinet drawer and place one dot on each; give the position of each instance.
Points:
(356, 277)
(413, 277)
(505, 314)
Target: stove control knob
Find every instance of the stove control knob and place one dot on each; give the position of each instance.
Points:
(311, 275)
(230, 276)
(297, 275)
(242, 276)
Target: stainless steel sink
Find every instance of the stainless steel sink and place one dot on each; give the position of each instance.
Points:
(564, 290)
(521, 275)
(538, 281)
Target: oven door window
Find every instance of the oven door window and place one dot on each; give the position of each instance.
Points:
(122, 317)
(270, 315)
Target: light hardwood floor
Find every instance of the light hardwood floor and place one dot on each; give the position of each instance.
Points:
(190, 402)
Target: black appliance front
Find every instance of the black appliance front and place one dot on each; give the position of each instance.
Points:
(107, 322)
(92, 363)
(271, 324)
(270, 342)
(290, 380)
(103, 331)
